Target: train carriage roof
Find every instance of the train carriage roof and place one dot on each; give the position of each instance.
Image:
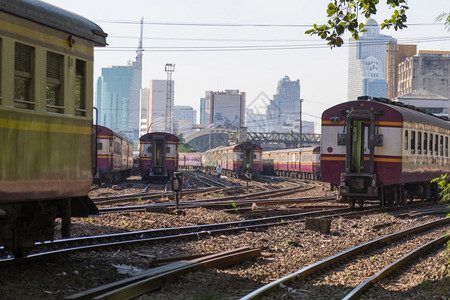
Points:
(167, 136)
(102, 131)
(55, 17)
(393, 111)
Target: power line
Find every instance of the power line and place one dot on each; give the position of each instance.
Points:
(264, 47)
(229, 24)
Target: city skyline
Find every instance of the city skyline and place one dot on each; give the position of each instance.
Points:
(255, 25)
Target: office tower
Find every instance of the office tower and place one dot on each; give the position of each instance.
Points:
(157, 97)
(284, 109)
(225, 109)
(367, 63)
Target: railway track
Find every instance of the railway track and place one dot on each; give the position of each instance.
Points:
(126, 239)
(387, 248)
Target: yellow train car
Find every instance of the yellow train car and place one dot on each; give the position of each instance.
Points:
(46, 120)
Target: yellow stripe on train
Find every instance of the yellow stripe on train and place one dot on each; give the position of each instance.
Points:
(45, 127)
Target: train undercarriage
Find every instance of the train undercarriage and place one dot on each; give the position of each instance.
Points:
(24, 223)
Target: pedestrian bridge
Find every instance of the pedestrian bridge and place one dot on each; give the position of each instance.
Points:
(211, 138)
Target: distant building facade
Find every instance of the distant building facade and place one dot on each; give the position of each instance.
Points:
(143, 112)
(284, 110)
(156, 112)
(225, 109)
(428, 70)
(367, 63)
(118, 98)
(202, 112)
(396, 53)
(255, 122)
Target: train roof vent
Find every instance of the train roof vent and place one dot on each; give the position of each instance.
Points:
(362, 98)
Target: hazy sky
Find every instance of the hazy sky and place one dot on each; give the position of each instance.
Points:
(238, 57)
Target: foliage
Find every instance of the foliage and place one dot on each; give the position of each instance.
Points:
(183, 147)
(443, 183)
(343, 16)
(446, 18)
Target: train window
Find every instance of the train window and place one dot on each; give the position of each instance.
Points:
(167, 149)
(99, 146)
(436, 141)
(80, 88)
(149, 149)
(0, 72)
(446, 146)
(406, 140)
(441, 145)
(413, 142)
(54, 90)
(23, 79)
(419, 142)
(425, 142)
(431, 144)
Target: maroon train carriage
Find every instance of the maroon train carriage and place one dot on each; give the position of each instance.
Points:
(190, 161)
(379, 149)
(310, 163)
(158, 156)
(114, 156)
(241, 160)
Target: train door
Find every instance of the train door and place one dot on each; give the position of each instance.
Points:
(248, 159)
(357, 147)
(158, 153)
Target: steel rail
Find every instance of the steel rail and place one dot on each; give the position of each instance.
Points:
(321, 265)
(360, 289)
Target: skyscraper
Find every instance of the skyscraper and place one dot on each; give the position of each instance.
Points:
(118, 96)
(367, 63)
(226, 109)
(157, 97)
(285, 107)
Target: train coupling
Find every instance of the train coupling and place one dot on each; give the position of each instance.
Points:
(358, 184)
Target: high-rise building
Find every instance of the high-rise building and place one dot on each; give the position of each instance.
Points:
(202, 112)
(157, 97)
(225, 109)
(367, 63)
(284, 110)
(396, 53)
(184, 118)
(118, 96)
(143, 112)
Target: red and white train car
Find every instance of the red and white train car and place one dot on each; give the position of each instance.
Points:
(190, 161)
(379, 149)
(114, 156)
(240, 160)
(158, 156)
(301, 162)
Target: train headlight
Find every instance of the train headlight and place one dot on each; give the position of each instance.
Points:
(330, 149)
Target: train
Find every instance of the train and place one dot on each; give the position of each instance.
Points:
(303, 162)
(158, 156)
(47, 159)
(375, 148)
(242, 160)
(191, 161)
(114, 156)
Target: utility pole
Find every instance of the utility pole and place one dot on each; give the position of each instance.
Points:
(170, 68)
(300, 127)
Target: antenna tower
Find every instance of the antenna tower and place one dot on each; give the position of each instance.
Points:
(170, 68)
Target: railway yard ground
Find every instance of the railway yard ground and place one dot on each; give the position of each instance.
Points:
(284, 249)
